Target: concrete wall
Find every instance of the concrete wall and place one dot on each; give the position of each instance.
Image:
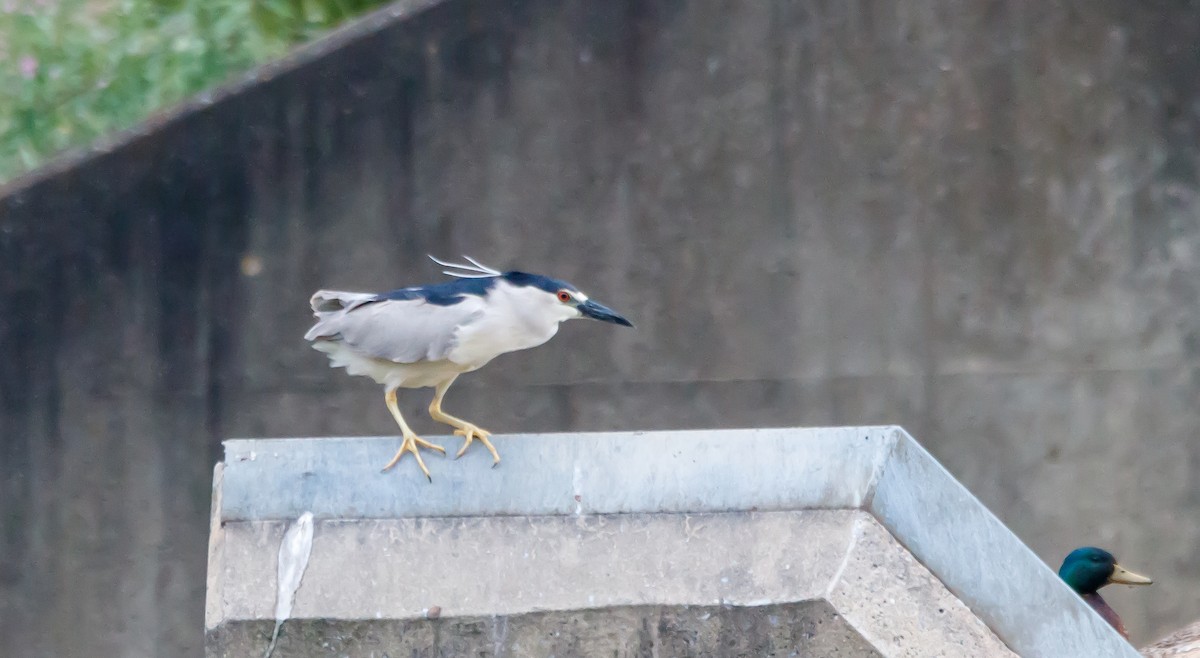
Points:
(976, 219)
(811, 628)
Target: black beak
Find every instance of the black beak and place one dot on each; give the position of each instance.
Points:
(600, 312)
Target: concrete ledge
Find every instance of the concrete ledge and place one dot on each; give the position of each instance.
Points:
(636, 526)
(611, 473)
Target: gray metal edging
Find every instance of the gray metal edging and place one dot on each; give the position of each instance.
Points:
(979, 559)
(555, 474)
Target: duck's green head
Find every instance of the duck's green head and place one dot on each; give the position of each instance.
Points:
(1088, 569)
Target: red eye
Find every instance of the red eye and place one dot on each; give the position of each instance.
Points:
(564, 296)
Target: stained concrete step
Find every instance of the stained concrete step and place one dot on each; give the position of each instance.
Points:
(818, 542)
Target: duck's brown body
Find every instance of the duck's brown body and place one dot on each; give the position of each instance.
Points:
(1101, 606)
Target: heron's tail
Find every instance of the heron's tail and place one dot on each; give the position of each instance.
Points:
(330, 305)
(332, 301)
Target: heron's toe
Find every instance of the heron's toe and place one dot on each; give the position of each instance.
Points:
(410, 443)
(472, 432)
(425, 444)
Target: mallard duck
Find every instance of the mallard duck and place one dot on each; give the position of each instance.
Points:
(1183, 643)
(1087, 569)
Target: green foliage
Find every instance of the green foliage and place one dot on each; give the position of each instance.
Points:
(74, 70)
(294, 20)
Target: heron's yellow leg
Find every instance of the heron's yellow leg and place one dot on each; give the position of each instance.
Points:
(469, 431)
(411, 440)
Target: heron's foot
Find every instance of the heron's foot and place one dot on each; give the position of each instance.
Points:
(411, 441)
(471, 432)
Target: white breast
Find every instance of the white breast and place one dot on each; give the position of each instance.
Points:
(515, 318)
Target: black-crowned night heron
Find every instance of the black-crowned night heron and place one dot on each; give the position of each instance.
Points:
(429, 335)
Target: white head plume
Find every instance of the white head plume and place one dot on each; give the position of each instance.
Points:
(475, 270)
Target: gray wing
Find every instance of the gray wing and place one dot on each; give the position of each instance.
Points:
(403, 331)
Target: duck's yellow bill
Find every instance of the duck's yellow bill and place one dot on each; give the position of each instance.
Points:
(1123, 576)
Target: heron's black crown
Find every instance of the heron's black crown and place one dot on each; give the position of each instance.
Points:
(452, 292)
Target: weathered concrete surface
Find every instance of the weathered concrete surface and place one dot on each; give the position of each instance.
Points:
(1183, 643)
(860, 517)
(810, 628)
(507, 568)
(975, 218)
